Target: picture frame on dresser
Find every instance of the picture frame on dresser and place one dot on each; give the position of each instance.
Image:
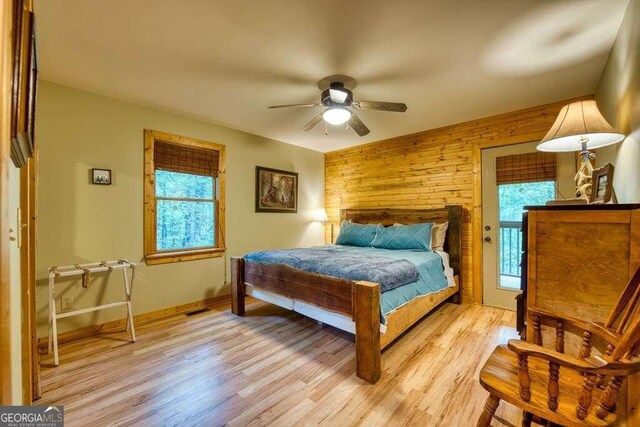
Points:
(602, 185)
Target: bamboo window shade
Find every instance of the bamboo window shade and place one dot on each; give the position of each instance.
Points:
(529, 167)
(180, 158)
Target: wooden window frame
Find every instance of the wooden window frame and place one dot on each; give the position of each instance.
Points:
(151, 254)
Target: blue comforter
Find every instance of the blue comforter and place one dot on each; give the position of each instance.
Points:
(332, 261)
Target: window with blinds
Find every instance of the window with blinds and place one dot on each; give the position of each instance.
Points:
(184, 183)
(522, 179)
(171, 157)
(528, 167)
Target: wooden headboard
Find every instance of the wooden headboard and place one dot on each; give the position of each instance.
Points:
(387, 217)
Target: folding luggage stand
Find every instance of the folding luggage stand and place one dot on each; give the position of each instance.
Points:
(85, 270)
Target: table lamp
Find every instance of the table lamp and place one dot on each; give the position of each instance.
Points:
(323, 218)
(580, 127)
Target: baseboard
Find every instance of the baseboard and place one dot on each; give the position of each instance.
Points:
(138, 320)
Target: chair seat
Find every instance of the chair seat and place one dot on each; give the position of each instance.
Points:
(499, 376)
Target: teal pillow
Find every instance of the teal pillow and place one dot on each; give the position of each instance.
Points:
(417, 236)
(353, 234)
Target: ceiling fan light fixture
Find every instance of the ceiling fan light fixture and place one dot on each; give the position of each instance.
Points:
(336, 115)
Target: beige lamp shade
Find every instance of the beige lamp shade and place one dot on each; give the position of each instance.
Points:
(579, 122)
(321, 216)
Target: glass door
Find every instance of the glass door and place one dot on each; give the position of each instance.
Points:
(502, 208)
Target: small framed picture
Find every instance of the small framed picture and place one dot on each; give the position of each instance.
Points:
(602, 184)
(101, 176)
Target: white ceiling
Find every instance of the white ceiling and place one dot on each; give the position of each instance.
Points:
(227, 61)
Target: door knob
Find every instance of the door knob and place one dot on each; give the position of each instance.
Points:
(487, 239)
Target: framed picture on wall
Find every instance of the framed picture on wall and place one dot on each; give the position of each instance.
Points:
(101, 176)
(23, 86)
(602, 185)
(276, 190)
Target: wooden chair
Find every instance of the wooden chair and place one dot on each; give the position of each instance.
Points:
(557, 388)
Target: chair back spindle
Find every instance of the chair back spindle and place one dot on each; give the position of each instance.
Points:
(560, 336)
(584, 401)
(553, 387)
(537, 331)
(585, 349)
(626, 305)
(523, 378)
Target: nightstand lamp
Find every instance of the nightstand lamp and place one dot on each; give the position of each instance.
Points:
(580, 127)
(323, 218)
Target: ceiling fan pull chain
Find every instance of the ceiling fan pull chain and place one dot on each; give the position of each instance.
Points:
(326, 128)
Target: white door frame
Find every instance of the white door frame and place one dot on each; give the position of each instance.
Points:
(493, 294)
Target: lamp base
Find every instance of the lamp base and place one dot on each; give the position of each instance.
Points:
(583, 178)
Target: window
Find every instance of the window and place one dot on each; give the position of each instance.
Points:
(512, 198)
(184, 198)
(522, 179)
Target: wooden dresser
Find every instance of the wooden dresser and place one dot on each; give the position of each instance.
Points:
(578, 259)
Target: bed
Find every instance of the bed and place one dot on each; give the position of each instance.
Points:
(354, 305)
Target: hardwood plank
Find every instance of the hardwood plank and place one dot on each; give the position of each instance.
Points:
(273, 366)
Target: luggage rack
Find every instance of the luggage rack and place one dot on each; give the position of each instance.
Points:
(86, 270)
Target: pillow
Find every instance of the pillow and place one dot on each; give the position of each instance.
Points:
(354, 234)
(417, 236)
(438, 235)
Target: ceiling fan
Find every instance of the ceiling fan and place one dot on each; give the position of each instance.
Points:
(337, 99)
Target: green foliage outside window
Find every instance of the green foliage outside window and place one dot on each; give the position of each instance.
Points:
(183, 224)
(511, 199)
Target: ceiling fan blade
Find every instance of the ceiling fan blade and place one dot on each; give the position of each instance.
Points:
(398, 107)
(296, 105)
(338, 95)
(356, 124)
(313, 123)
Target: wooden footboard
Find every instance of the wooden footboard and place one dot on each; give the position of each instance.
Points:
(358, 300)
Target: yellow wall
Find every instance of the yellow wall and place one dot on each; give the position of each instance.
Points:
(80, 222)
(618, 97)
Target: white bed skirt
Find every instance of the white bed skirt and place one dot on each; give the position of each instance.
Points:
(336, 320)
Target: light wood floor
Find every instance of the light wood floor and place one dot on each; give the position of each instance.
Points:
(277, 367)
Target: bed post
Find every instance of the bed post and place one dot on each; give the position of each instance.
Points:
(367, 317)
(454, 246)
(237, 286)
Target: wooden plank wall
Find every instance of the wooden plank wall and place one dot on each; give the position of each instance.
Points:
(431, 169)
